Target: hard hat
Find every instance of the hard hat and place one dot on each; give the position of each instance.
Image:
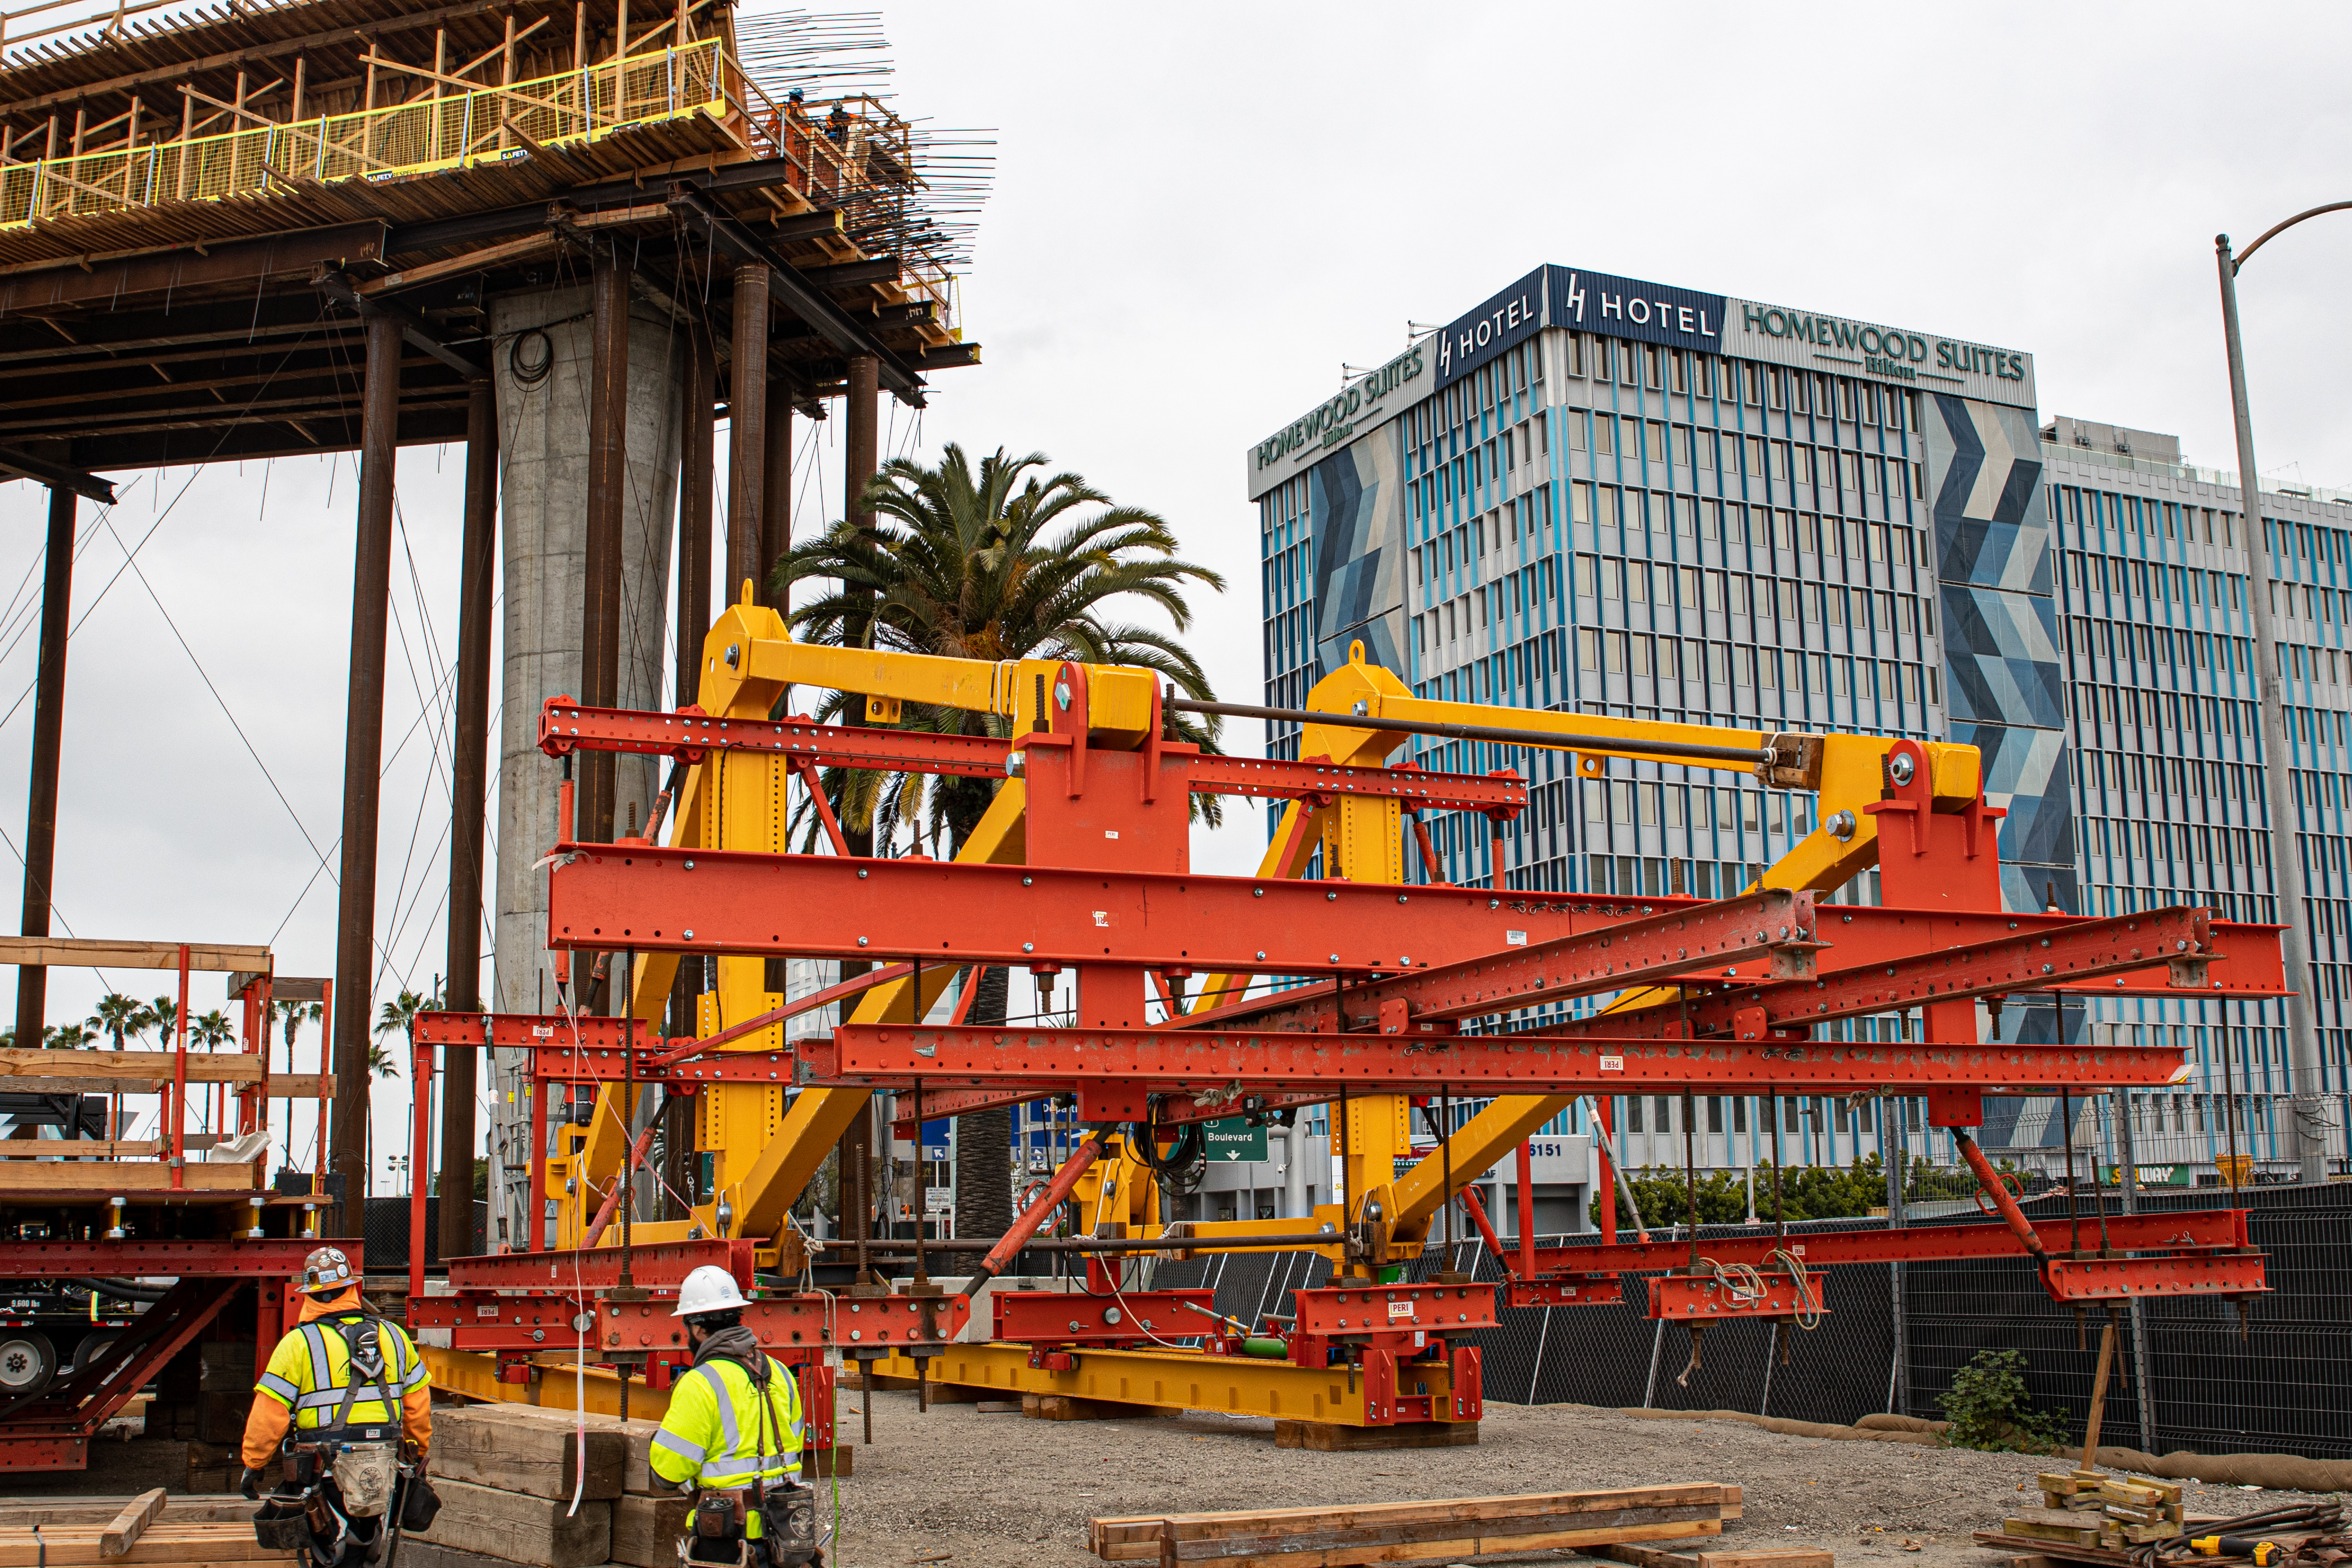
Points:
(326, 1271)
(708, 1288)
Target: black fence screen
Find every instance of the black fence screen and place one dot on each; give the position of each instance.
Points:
(2189, 1372)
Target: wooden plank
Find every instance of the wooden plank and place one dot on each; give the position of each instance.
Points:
(1761, 1557)
(122, 1176)
(486, 1446)
(1605, 1525)
(85, 953)
(130, 1524)
(80, 1548)
(646, 1530)
(636, 1476)
(1459, 1547)
(1137, 1537)
(79, 1148)
(519, 1529)
(150, 1067)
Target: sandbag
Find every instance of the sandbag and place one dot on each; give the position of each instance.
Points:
(2276, 1472)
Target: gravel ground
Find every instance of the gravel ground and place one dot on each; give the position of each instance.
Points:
(955, 1486)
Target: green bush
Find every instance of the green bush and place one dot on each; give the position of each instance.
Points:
(1807, 1191)
(1990, 1409)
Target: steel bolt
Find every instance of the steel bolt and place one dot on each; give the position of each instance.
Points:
(1900, 767)
(1028, 947)
(1841, 826)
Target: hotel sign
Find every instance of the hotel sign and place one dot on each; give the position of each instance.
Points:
(1576, 300)
(1839, 345)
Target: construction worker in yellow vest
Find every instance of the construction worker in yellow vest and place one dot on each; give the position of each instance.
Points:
(732, 1436)
(316, 1386)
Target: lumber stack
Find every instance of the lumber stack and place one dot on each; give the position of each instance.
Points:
(1446, 1527)
(2093, 1509)
(507, 1483)
(152, 1528)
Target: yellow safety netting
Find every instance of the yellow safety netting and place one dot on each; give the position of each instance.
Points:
(465, 127)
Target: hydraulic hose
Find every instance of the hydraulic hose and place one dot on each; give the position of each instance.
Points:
(121, 1290)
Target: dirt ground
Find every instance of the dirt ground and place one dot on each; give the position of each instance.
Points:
(955, 1486)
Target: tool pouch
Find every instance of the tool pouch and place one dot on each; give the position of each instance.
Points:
(719, 1515)
(788, 1527)
(363, 1474)
(419, 1503)
(282, 1524)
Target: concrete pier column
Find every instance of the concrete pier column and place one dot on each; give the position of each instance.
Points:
(545, 370)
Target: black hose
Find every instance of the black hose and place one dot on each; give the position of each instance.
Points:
(121, 1290)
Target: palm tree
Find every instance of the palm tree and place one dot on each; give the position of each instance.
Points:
(163, 1016)
(291, 1017)
(998, 563)
(397, 1017)
(212, 1030)
(66, 1037)
(119, 1016)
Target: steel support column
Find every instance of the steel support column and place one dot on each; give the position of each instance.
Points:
(776, 491)
(600, 610)
(363, 755)
(48, 737)
(696, 458)
(861, 450)
(469, 796)
(747, 429)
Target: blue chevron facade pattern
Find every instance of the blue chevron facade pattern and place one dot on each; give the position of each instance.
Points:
(2001, 659)
(1359, 559)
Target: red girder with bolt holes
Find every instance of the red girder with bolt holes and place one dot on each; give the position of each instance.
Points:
(1865, 965)
(1132, 1317)
(1697, 1298)
(2084, 951)
(1354, 1311)
(702, 901)
(894, 1056)
(542, 1320)
(688, 734)
(657, 1266)
(2204, 1230)
(1768, 934)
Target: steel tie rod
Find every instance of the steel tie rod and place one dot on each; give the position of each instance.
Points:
(1621, 745)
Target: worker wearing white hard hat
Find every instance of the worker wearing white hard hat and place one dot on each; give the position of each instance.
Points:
(733, 1434)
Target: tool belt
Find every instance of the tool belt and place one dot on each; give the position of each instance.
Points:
(787, 1521)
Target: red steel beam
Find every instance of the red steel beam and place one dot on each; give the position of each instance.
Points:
(659, 1266)
(1334, 1313)
(1768, 933)
(566, 726)
(1053, 1317)
(2121, 1279)
(2202, 1229)
(646, 897)
(280, 1258)
(2122, 946)
(893, 1055)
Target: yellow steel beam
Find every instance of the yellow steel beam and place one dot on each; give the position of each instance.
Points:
(816, 1118)
(556, 1386)
(1178, 1380)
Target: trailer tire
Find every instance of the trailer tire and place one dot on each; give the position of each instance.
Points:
(28, 1362)
(93, 1348)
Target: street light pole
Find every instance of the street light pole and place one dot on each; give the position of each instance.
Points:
(2286, 859)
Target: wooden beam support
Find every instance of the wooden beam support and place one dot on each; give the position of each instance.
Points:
(280, 256)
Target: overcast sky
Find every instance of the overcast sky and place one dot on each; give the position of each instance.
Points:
(1200, 213)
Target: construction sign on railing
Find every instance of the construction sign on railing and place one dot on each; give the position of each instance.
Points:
(467, 126)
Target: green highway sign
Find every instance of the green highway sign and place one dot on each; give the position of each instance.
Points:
(1234, 1139)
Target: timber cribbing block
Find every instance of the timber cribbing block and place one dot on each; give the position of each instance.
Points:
(822, 1464)
(1329, 1438)
(540, 1531)
(1069, 1407)
(535, 1455)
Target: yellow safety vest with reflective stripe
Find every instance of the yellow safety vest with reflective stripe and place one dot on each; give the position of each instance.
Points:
(716, 1435)
(310, 1369)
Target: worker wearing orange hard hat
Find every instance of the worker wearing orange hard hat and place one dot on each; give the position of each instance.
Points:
(343, 1376)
